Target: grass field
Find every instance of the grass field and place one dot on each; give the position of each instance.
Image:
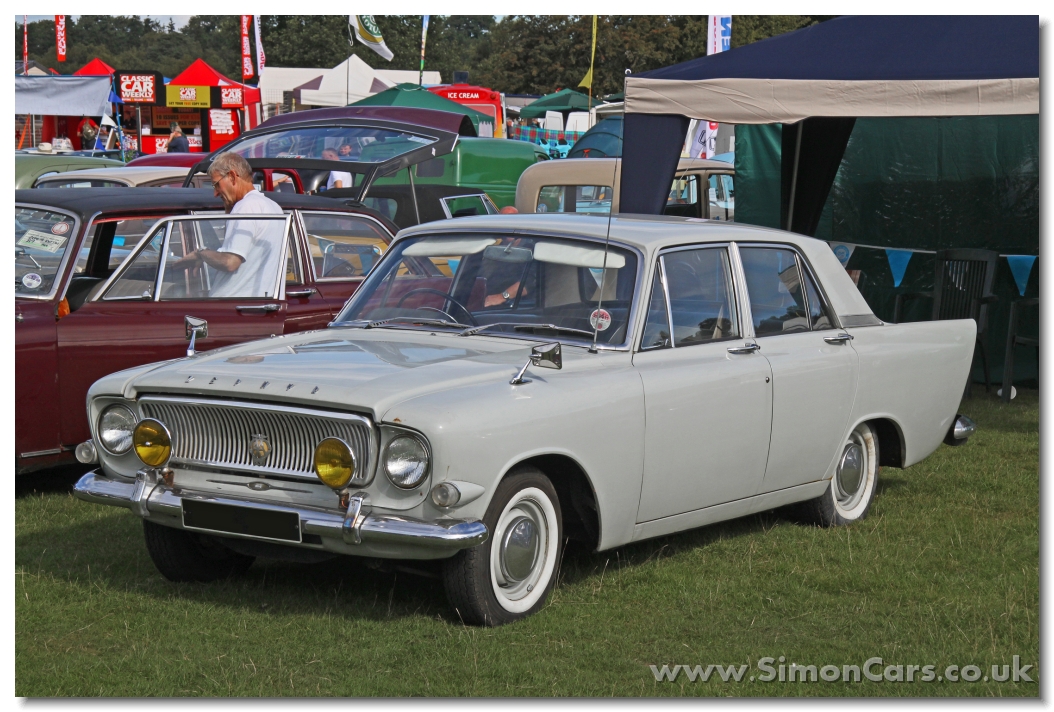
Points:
(945, 570)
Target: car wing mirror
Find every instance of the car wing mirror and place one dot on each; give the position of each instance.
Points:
(544, 356)
(195, 328)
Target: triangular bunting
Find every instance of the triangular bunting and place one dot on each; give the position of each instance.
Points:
(898, 264)
(843, 251)
(1021, 268)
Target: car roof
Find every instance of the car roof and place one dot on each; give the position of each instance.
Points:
(65, 158)
(169, 159)
(86, 202)
(134, 174)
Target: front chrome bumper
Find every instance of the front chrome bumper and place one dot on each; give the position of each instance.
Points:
(403, 537)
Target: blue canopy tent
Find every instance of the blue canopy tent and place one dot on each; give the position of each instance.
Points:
(819, 80)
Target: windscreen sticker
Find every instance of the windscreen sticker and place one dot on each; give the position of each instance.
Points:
(600, 319)
(31, 280)
(42, 241)
(60, 228)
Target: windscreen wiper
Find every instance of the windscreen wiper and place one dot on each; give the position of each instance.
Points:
(520, 326)
(415, 320)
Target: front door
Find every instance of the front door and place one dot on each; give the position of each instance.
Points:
(707, 396)
(813, 381)
(138, 316)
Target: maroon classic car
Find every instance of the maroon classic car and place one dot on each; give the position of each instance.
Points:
(98, 288)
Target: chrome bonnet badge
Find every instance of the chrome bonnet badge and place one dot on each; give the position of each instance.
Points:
(260, 450)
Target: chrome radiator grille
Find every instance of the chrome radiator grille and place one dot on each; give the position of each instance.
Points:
(220, 434)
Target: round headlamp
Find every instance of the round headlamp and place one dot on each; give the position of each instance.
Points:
(153, 443)
(115, 429)
(334, 462)
(406, 461)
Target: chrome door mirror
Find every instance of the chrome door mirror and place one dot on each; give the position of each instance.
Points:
(544, 356)
(195, 328)
(547, 356)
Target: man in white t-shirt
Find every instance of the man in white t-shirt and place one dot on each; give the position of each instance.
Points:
(250, 259)
(337, 179)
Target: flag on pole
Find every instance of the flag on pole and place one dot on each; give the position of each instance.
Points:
(718, 39)
(60, 37)
(25, 44)
(587, 80)
(247, 52)
(261, 58)
(424, 34)
(364, 27)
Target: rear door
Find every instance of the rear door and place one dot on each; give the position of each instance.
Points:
(814, 372)
(340, 250)
(137, 316)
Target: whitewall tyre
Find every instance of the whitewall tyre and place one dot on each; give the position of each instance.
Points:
(852, 489)
(509, 576)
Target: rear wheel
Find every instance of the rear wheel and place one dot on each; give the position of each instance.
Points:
(852, 489)
(510, 575)
(185, 556)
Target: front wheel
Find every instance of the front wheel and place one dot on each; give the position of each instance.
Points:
(510, 575)
(852, 489)
(186, 556)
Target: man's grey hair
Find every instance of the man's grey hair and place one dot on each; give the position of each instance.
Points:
(229, 161)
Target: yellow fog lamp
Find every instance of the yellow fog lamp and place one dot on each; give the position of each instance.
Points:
(152, 442)
(334, 462)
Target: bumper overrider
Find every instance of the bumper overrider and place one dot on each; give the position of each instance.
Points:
(357, 530)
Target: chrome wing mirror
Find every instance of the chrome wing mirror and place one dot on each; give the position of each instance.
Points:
(195, 328)
(544, 356)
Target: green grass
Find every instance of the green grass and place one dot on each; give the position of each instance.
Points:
(945, 570)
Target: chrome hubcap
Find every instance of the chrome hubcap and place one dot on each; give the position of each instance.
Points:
(519, 549)
(851, 469)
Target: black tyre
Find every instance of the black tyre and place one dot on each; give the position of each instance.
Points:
(852, 489)
(184, 556)
(509, 577)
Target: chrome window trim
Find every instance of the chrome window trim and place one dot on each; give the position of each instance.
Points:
(367, 423)
(733, 263)
(307, 244)
(61, 278)
(802, 260)
(632, 323)
(660, 273)
(279, 293)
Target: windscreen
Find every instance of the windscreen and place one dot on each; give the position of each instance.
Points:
(347, 143)
(524, 286)
(41, 240)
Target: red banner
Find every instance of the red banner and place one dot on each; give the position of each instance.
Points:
(60, 37)
(25, 45)
(247, 53)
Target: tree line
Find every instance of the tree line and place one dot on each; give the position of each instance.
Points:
(521, 54)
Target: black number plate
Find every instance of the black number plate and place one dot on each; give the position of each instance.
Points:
(231, 519)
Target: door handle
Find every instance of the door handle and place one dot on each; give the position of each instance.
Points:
(262, 308)
(19, 318)
(301, 293)
(744, 349)
(839, 339)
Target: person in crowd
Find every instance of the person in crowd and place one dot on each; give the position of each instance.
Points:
(337, 179)
(345, 152)
(250, 257)
(177, 142)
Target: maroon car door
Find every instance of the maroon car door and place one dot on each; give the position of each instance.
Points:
(138, 315)
(45, 239)
(341, 250)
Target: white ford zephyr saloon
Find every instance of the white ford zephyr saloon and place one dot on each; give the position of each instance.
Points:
(499, 384)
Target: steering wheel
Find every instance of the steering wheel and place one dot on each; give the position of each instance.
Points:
(426, 290)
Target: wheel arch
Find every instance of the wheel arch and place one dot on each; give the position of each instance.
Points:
(578, 499)
(891, 443)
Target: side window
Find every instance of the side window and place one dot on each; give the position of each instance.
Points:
(342, 245)
(138, 279)
(465, 205)
(657, 325)
(819, 312)
(701, 301)
(722, 197)
(574, 199)
(683, 199)
(777, 301)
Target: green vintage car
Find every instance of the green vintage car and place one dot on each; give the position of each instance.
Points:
(31, 166)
